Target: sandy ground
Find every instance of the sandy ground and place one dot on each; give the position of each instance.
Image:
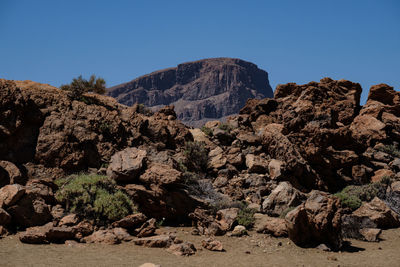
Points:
(252, 250)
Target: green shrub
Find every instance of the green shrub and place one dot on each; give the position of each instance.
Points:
(391, 149)
(246, 217)
(207, 131)
(196, 156)
(93, 196)
(352, 196)
(349, 201)
(79, 86)
(142, 109)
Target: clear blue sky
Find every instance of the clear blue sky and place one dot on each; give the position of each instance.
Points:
(295, 41)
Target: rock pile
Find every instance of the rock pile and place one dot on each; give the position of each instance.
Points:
(275, 167)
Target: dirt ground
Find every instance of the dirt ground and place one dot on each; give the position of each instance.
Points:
(252, 250)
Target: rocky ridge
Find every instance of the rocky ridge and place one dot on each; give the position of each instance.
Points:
(202, 90)
(283, 158)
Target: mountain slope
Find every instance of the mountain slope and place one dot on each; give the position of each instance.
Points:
(202, 90)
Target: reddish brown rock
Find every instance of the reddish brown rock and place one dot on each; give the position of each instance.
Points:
(10, 194)
(182, 249)
(371, 234)
(147, 229)
(160, 174)
(270, 225)
(14, 175)
(226, 218)
(317, 221)
(212, 244)
(159, 241)
(30, 211)
(126, 165)
(131, 222)
(69, 220)
(284, 196)
(379, 213)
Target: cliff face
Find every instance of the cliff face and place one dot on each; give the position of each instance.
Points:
(203, 90)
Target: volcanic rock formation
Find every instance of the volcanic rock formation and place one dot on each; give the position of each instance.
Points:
(203, 90)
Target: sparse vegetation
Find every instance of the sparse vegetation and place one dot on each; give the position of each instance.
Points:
(196, 156)
(207, 131)
(226, 127)
(391, 150)
(79, 86)
(93, 196)
(352, 196)
(246, 217)
(142, 109)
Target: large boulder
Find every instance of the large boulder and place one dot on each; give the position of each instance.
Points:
(5, 218)
(317, 221)
(270, 225)
(47, 234)
(126, 165)
(283, 197)
(30, 211)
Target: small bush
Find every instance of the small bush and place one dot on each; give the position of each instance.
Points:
(391, 150)
(207, 131)
(196, 156)
(349, 201)
(79, 86)
(142, 109)
(93, 196)
(352, 196)
(246, 217)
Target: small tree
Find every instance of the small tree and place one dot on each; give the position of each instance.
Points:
(79, 86)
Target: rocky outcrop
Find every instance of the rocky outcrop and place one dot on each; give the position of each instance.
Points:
(203, 90)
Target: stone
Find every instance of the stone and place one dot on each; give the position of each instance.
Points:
(147, 229)
(270, 225)
(307, 224)
(126, 165)
(10, 194)
(30, 211)
(239, 230)
(284, 196)
(46, 234)
(69, 220)
(378, 213)
(366, 127)
(82, 229)
(226, 218)
(371, 234)
(110, 236)
(212, 244)
(131, 222)
(182, 249)
(393, 196)
(275, 168)
(395, 165)
(161, 174)
(256, 164)
(217, 159)
(14, 174)
(158, 241)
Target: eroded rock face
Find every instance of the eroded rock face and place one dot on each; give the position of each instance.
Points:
(126, 165)
(203, 90)
(283, 197)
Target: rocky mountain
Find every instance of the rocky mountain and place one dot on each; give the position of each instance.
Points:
(200, 91)
(312, 163)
